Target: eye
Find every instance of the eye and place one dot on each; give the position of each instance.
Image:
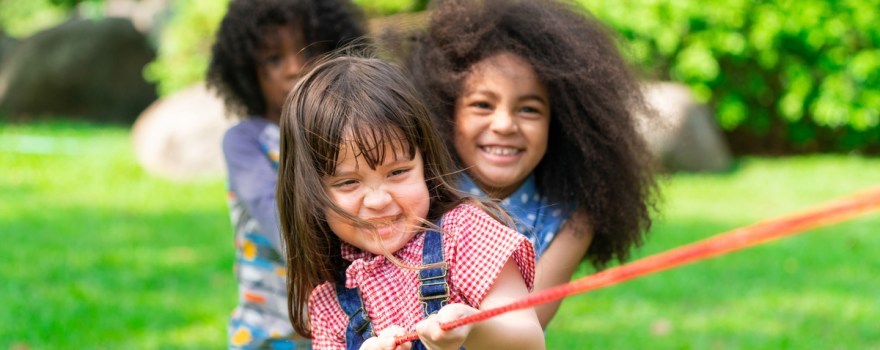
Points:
(481, 105)
(271, 59)
(398, 172)
(343, 184)
(531, 111)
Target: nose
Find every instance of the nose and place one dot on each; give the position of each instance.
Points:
(377, 199)
(293, 65)
(503, 122)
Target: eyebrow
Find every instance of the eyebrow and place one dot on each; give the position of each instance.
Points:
(342, 173)
(393, 163)
(533, 97)
(491, 94)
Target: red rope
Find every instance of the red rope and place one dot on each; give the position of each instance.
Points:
(830, 213)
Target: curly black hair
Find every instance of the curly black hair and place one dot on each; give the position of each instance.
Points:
(325, 25)
(595, 156)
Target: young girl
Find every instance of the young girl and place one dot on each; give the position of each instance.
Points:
(539, 107)
(362, 182)
(258, 55)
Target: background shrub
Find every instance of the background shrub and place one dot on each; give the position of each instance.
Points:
(20, 18)
(781, 75)
(184, 45)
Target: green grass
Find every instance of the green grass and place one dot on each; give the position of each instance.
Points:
(98, 254)
(818, 290)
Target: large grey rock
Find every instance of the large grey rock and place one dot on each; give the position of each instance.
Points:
(686, 136)
(179, 136)
(87, 69)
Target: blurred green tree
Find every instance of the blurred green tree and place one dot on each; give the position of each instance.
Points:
(184, 46)
(795, 75)
(20, 18)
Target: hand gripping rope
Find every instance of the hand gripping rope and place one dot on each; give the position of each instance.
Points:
(827, 214)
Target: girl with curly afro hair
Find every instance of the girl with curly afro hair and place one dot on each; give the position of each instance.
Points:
(539, 107)
(259, 53)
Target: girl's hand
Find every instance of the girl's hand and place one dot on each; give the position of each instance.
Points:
(385, 340)
(435, 338)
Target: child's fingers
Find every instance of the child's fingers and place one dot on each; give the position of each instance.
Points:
(429, 332)
(393, 331)
(434, 337)
(429, 327)
(385, 340)
(376, 343)
(453, 312)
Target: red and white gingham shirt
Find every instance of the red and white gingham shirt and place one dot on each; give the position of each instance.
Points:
(475, 248)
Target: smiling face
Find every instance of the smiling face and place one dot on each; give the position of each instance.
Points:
(502, 119)
(279, 65)
(393, 197)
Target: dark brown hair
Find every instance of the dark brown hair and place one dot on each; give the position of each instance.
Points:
(374, 102)
(595, 157)
(324, 25)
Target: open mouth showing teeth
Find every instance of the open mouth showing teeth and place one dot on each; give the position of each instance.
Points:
(501, 151)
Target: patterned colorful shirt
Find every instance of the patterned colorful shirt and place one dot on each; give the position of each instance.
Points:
(534, 216)
(260, 320)
(475, 247)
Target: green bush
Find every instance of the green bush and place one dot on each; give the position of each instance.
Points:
(389, 7)
(20, 18)
(807, 72)
(185, 44)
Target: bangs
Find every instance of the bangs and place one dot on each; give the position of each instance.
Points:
(362, 106)
(374, 143)
(373, 131)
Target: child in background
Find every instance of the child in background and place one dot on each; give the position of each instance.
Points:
(259, 53)
(362, 180)
(540, 108)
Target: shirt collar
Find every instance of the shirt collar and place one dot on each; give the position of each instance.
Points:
(364, 263)
(528, 188)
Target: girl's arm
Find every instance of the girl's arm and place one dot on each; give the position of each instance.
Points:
(517, 329)
(560, 261)
(252, 178)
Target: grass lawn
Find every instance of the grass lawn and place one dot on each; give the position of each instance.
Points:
(818, 290)
(100, 255)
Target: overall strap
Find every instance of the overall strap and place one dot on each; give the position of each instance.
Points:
(433, 287)
(360, 327)
(433, 294)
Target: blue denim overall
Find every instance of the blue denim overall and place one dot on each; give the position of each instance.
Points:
(433, 293)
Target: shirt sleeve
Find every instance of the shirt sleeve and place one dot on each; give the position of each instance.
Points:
(481, 247)
(327, 319)
(252, 179)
